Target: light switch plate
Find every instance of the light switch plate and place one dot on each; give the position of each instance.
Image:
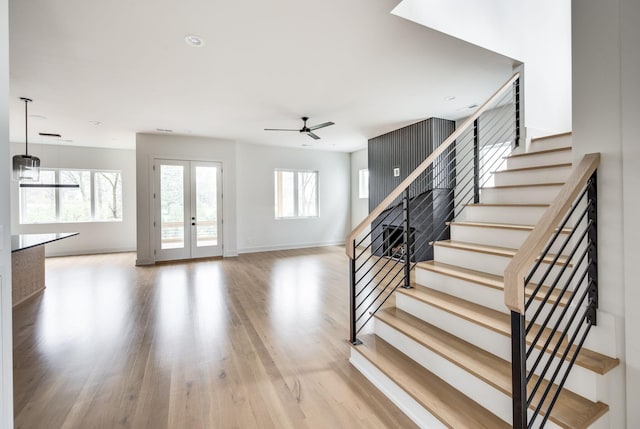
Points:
(396, 172)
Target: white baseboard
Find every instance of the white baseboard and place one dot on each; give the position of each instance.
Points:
(88, 252)
(272, 248)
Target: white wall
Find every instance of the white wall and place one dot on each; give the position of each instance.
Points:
(535, 32)
(6, 350)
(95, 237)
(606, 66)
(151, 146)
(258, 230)
(359, 206)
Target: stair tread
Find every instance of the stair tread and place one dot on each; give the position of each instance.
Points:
(506, 205)
(538, 167)
(442, 400)
(501, 324)
(509, 226)
(570, 411)
(528, 185)
(519, 155)
(494, 250)
(552, 136)
(489, 280)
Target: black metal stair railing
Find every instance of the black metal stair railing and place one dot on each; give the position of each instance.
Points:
(401, 231)
(559, 311)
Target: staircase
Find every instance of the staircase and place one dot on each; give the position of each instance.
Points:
(442, 351)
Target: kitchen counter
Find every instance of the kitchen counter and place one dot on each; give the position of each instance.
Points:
(27, 263)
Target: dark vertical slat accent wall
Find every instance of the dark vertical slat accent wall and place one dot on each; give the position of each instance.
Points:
(406, 148)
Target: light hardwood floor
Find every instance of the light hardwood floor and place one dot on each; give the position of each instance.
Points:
(256, 341)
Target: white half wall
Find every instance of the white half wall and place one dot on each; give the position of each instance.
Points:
(606, 66)
(534, 32)
(95, 237)
(6, 348)
(258, 230)
(152, 146)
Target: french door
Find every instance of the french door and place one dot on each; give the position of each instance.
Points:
(188, 209)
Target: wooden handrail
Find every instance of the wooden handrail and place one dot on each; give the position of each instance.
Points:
(350, 250)
(516, 270)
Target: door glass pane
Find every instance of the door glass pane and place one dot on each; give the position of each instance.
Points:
(172, 206)
(206, 207)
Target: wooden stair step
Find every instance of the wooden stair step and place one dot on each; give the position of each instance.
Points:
(528, 185)
(552, 136)
(520, 155)
(505, 205)
(501, 323)
(494, 250)
(540, 167)
(444, 402)
(508, 226)
(570, 411)
(490, 280)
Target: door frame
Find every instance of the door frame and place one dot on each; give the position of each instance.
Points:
(152, 158)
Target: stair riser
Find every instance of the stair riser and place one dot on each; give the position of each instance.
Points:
(528, 195)
(580, 380)
(538, 160)
(495, 236)
(476, 389)
(527, 177)
(550, 143)
(482, 295)
(501, 214)
(492, 264)
(395, 393)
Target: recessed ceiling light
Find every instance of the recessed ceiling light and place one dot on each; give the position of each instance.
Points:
(306, 145)
(193, 40)
(473, 106)
(164, 130)
(95, 123)
(37, 117)
(450, 98)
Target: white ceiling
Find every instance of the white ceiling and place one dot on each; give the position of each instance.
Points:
(264, 65)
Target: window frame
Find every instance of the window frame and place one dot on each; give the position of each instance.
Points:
(57, 198)
(360, 183)
(296, 208)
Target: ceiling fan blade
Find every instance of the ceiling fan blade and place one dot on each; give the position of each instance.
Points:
(279, 129)
(313, 136)
(325, 124)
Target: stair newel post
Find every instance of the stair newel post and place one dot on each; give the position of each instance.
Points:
(476, 161)
(518, 370)
(592, 252)
(407, 240)
(353, 339)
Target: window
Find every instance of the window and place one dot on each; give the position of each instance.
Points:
(363, 183)
(296, 193)
(97, 198)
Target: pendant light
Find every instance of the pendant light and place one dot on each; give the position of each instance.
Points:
(26, 167)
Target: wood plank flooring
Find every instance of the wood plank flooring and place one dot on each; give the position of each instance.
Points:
(256, 341)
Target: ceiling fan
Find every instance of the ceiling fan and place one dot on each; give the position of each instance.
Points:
(305, 130)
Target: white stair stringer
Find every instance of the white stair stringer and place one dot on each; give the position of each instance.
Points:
(580, 380)
(416, 412)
